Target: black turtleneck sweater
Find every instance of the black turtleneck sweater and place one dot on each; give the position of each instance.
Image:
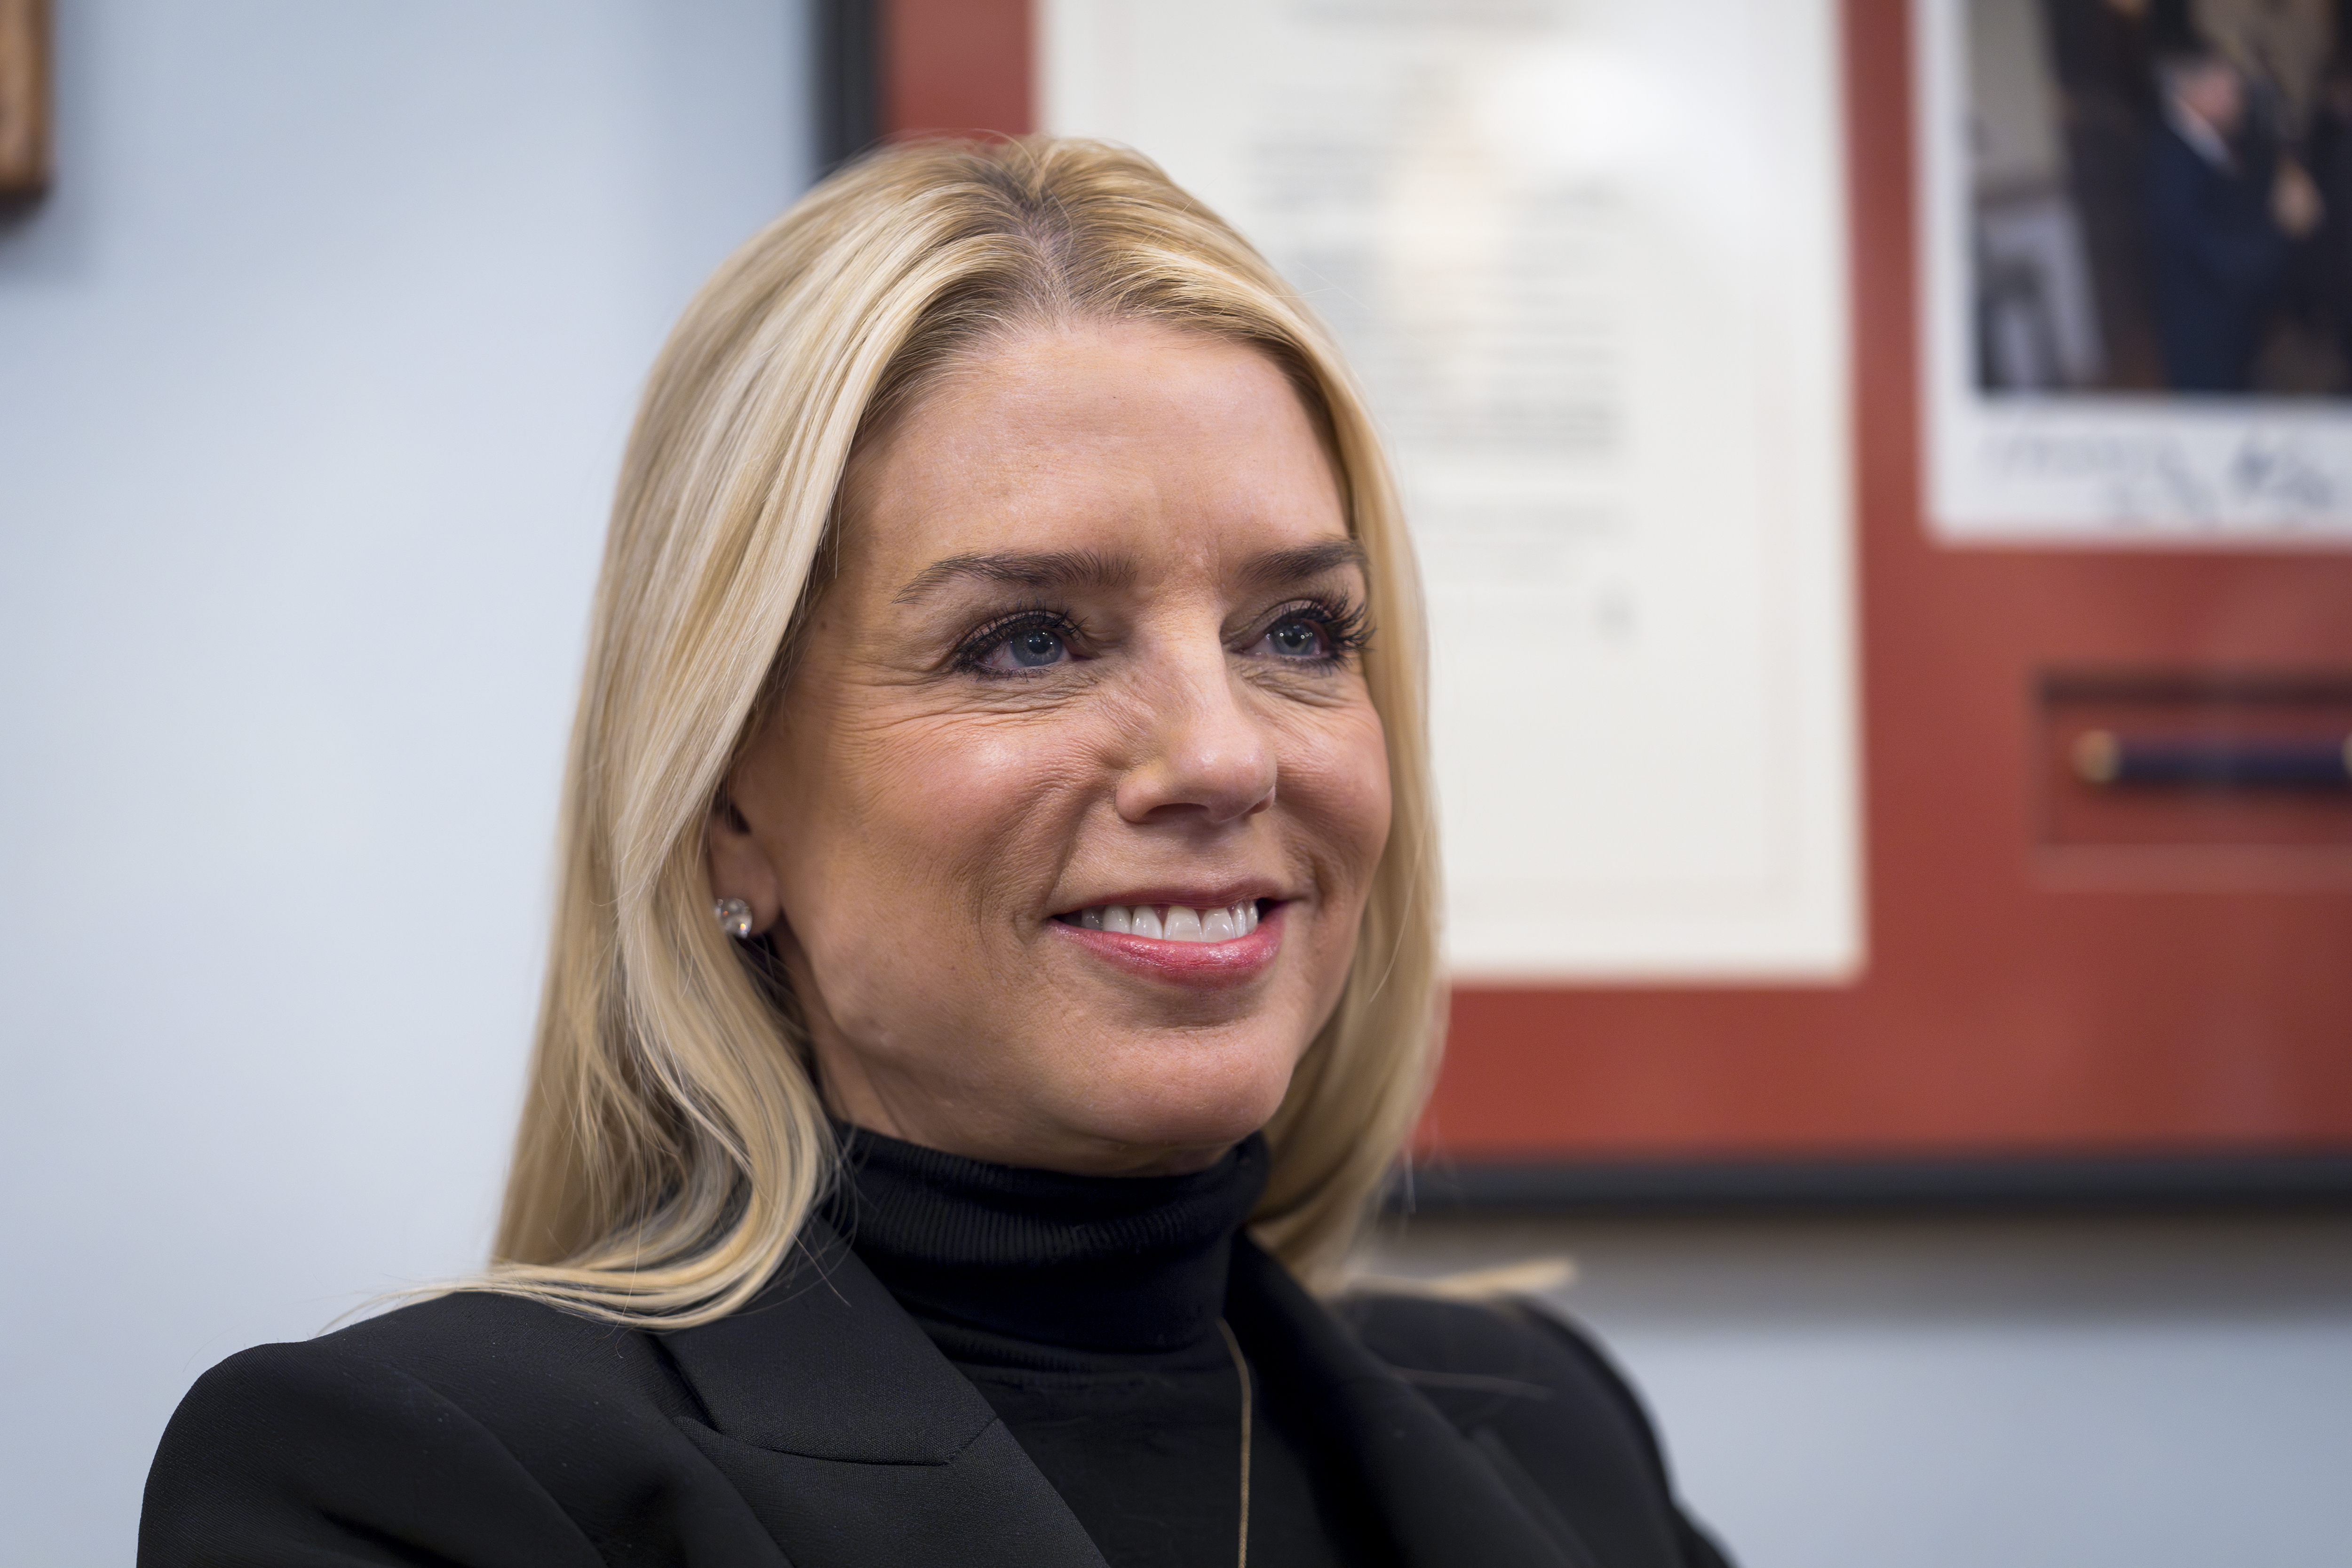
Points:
(1085, 1308)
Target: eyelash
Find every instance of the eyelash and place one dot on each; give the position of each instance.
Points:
(974, 650)
(1345, 625)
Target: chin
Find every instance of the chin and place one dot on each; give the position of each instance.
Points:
(1208, 1110)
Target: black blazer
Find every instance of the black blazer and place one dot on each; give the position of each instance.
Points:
(820, 1428)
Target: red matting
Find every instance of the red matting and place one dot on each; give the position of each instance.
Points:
(957, 67)
(2020, 999)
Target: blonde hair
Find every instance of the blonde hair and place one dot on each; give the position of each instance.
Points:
(673, 1140)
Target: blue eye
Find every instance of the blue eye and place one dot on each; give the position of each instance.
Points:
(1033, 648)
(1021, 645)
(1314, 633)
(1296, 638)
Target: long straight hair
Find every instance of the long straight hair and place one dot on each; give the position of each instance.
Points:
(673, 1139)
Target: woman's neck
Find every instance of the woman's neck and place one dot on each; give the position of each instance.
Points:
(994, 1253)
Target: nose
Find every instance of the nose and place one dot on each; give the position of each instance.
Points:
(1201, 750)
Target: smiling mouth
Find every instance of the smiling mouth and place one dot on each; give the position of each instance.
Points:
(1168, 922)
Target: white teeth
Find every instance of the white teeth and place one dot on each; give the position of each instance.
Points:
(1179, 924)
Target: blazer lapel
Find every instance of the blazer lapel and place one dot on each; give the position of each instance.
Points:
(855, 1441)
(1443, 1501)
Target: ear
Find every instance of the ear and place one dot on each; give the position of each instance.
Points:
(740, 868)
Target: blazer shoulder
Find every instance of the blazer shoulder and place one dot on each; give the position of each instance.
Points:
(484, 1341)
(471, 1427)
(1537, 1392)
(518, 1367)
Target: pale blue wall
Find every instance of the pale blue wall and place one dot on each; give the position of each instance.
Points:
(313, 376)
(1980, 1394)
(314, 371)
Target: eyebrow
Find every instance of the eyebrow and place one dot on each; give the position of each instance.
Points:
(1040, 569)
(1280, 568)
(1051, 569)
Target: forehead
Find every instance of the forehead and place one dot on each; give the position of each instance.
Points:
(1124, 438)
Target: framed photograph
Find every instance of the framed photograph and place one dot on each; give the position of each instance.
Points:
(2137, 264)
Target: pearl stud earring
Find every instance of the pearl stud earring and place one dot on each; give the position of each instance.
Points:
(734, 916)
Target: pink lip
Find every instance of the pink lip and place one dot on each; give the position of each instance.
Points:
(1205, 965)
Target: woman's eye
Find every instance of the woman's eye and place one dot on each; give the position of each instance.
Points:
(1297, 638)
(1031, 647)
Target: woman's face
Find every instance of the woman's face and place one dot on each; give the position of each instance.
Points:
(1088, 661)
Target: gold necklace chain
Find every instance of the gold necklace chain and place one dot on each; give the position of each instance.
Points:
(1241, 1365)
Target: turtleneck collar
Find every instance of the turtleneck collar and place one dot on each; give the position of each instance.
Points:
(1087, 1263)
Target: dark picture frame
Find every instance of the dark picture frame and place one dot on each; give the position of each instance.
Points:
(24, 140)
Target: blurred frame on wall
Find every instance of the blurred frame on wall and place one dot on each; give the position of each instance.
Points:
(23, 99)
(1586, 258)
(2137, 263)
(2100, 843)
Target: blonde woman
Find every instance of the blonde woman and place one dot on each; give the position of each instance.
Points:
(995, 966)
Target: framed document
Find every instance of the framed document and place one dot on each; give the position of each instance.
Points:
(1588, 259)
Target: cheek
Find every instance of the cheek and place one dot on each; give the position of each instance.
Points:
(937, 826)
(1338, 785)
(918, 845)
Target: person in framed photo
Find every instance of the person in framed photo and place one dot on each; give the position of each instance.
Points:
(2222, 214)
